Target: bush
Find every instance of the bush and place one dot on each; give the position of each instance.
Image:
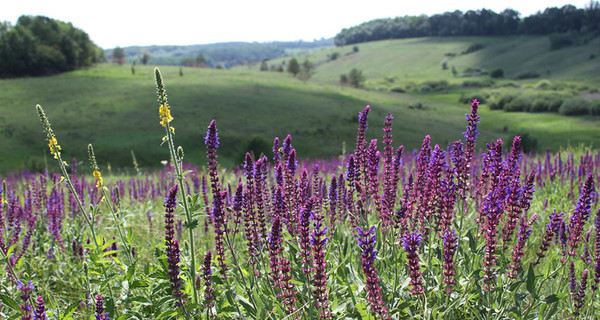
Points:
(398, 90)
(474, 72)
(473, 48)
(521, 103)
(468, 98)
(484, 83)
(500, 102)
(497, 73)
(543, 85)
(425, 88)
(595, 107)
(559, 41)
(527, 75)
(433, 85)
(574, 107)
(417, 105)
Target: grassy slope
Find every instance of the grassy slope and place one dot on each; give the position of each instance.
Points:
(117, 111)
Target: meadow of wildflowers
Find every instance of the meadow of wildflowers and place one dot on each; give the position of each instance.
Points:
(472, 230)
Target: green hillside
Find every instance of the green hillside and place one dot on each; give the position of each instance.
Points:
(116, 111)
(419, 59)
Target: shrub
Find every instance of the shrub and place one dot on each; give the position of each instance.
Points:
(509, 84)
(575, 106)
(559, 41)
(483, 83)
(356, 78)
(417, 105)
(398, 90)
(434, 85)
(501, 101)
(473, 48)
(547, 102)
(474, 72)
(527, 75)
(425, 88)
(521, 103)
(468, 98)
(543, 85)
(497, 73)
(595, 107)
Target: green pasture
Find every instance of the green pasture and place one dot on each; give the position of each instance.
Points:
(117, 112)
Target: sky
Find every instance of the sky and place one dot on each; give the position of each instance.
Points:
(111, 23)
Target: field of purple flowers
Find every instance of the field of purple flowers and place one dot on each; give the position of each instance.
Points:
(465, 231)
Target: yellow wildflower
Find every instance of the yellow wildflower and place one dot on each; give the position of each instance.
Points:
(54, 147)
(165, 115)
(98, 177)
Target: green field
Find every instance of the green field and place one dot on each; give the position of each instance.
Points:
(108, 106)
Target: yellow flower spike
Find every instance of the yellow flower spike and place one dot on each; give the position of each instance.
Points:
(54, 147)
(172, 130)
(98, 177)
(165, 115)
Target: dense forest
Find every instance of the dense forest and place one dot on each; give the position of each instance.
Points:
(553, 20)
(40, 45)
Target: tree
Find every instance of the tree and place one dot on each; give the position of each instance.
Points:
(39, 45)
(118, 55)
(293, 67)
(201, 61)
(264, 66)
(145, 57)
(306, 70)
(356, 78)
(343, 79)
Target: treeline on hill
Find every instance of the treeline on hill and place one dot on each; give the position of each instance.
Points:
(482, 22)
(40, 45)
(215, 55)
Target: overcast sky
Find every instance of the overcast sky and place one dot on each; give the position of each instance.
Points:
(175, 22)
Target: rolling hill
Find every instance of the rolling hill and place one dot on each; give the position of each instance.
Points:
(117, 111)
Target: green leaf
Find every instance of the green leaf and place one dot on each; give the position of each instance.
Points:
(8, 301)
(472, 243)
(191, 225)
(554, 298)
(246, 305)
(70, 310)
(531, 281)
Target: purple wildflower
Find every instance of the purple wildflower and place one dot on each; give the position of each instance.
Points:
(597, 252)
(333, 200)
(552, 229)
(100, 314)
(319, 242)
(212, 144)
(25, 294)
(207, 277)
(172, 244)
(412, 241)
(40, 311)
(471, 135)
(366, 241)
(581, 214)
(450, 245)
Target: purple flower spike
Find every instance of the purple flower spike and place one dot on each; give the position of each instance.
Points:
(450, 245)
(412, 241)
(100, 314)
(366, 242)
